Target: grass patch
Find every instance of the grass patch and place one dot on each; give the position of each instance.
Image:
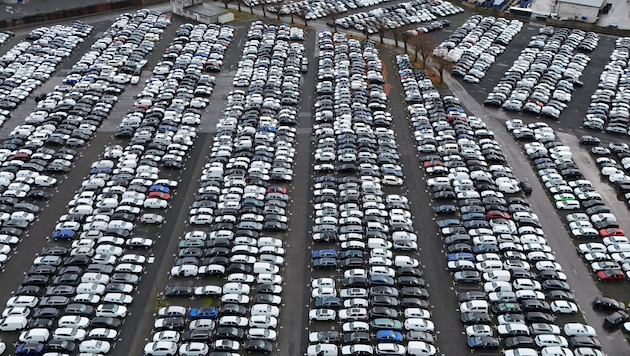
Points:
(210, 302)
(243, 15)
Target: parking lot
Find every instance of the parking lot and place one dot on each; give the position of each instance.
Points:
(192, 189)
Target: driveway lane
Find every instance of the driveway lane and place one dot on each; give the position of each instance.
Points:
(293, 320)
(450, 338)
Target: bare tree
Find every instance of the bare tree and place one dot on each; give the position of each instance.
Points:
(423, 44)
(397, 32)
(381, 27)
(302, 14)
(225, 2)
(264, 8)
(278, 7)
(405, 37)
(442, 65)
(238, 3)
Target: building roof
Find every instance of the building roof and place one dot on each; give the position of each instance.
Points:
(589, 3)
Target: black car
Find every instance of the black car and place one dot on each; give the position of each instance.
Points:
(463, 297)
(178, 291)
(584, 341)
(36, 280)
(264, 298)
(232, 309)
(516, 342)
(476, 318)
(327, 337)
(409, 271)
(47, 313)
(229, 333)
(357, 337)
(29, 290)
(383, 312)
(615, 319)
(79, 309)
(414, 303)
(606, 303)
(258, 345)
(63, 346)
(539, 317)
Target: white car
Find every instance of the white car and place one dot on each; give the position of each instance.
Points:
(103, 334)
(111, 310)
(194, 349)
(117, 298)
(73, 321)
(94, 346)
(261, 333)
(264, 309)
(322, 314)
(160, 348)
(263, 321)
(208, 290)
(151, 218)
(579, 329)
(563, 307)
(155, 203)
(167, 335)
(139, 242)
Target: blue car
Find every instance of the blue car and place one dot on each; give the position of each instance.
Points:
(204, 313)
(165, 128)
(324, 253)
(460, 256)
(64, 234)
(388, 336)
(380, 280)
(159, 188)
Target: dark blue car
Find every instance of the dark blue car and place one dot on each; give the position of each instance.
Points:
(63, 234)
(29, 348)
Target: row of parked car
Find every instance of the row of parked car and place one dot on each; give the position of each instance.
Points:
(238, 210)
(608, 109)
(608, 256)
(363, 239)
(75, 297)
(398, 15)
(542, 79)
(493, 241)
(29, 64)
(475, 45)
(319, 8)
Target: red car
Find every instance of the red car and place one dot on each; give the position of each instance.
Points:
(433, 163)
(160, 195)
(497, 214)
(611, 231)
(277, 189)
(611, 275)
